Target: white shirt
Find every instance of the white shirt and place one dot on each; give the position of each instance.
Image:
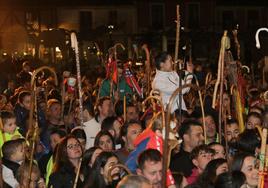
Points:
(91, 128)
(9, 177)
(167, 83)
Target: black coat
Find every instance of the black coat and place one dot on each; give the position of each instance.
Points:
(64, 178)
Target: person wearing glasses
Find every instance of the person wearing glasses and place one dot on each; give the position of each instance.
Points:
(69, 152)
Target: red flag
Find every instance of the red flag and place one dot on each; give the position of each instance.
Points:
(111, 70)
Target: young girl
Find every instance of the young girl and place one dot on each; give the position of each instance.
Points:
(23, 177)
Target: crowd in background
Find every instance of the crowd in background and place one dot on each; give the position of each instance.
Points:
(66, 149)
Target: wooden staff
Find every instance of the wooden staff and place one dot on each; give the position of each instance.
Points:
(178, 25)
(262, 157)
(62, 99)
(33, 124)
(77, 173)
(201, 103)
(220, 66)
(1, 165)
(125, 108)
(152, 99)
(167, 128)
(34, 139)
(208, 78)
(74, 43)
(238, 107)
(33, 79)
(147, 67)
(65, 74)
(237, 45)
(165, 145)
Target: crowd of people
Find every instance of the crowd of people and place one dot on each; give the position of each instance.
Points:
(116, 131)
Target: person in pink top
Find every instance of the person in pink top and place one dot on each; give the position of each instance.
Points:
(200, 156)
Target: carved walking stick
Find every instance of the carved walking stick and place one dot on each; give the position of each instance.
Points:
(75, 47)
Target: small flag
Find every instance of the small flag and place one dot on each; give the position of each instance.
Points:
(131, 81)
(111, 70)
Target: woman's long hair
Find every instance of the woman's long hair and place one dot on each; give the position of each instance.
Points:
(208, 177)
(62, 159)
(238, 161)
(234, 179)
(87, 157)
(96, 179)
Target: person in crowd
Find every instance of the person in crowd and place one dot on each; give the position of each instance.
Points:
(180, 116)
(134, 181)
(235, 179)
(99, 176)
(10, 90)
(150, 166)
(132, 112)
(200, 156)
(24, 76)
(69, 153)
(89, 158)
(213, 169)
(180, 180)
(232, 130)
(150, 139)
(253, 120)
(13, 156)
(80, 134)
(53, 121)
(219, 151)
(91, 126)
(104, 108)
(112, 125)
(9, 130)
(117, 93)
(22, 177)
(54, 114)
(192, 134)
(105, 141)
(249, 141)
(45, 163)
(22, 109)
(167, 81)
(246, 163)
(129, 132)
(211, 130)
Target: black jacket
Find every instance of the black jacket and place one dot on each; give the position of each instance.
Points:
(181, 162)
(64, 178)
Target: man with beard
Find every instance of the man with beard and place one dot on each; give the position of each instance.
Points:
(232, 132)
(192, 134)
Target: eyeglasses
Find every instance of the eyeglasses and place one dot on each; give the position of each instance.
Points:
(73, 146)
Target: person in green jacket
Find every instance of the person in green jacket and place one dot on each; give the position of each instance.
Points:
(116, 93)
(9, 130)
